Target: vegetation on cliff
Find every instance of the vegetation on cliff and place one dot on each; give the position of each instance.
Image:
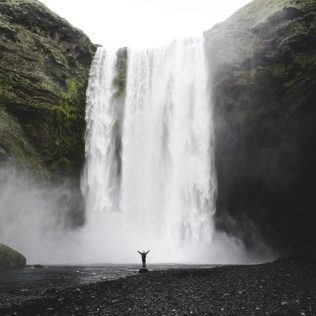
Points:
(264, 79)
(9, 258)
(44, 67)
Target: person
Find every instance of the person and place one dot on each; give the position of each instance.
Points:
(143, 254)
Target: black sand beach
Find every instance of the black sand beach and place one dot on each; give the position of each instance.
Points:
(284, 287)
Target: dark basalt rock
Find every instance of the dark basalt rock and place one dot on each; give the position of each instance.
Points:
(44, 68)
(280, 288)
(37, 266)
(264, 79)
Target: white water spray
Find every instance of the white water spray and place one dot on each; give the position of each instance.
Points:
(158, 191)
(168, 184)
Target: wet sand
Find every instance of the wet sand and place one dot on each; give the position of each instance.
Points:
(285, 287)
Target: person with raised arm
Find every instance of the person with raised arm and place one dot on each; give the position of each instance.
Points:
(143, 254)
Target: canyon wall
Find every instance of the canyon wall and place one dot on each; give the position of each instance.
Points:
(44, 67)
(263, 63)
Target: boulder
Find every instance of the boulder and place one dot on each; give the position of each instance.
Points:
(37, 266)
(10, 258)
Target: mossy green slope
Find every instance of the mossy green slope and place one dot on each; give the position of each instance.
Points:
(9, 258)
(44, 69)
(264, 87)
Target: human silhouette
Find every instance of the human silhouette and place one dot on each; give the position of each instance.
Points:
(143, 254)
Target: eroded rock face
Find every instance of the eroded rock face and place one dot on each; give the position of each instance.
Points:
(44, 68)
(264, 88)
(9, 258)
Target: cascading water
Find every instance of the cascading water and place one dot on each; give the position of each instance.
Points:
(149, 180)
(167, 181)
(101, 165)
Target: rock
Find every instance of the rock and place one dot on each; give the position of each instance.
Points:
(37, 266)
(264, 78)
(184, 291)
(44, 69)
(9, 258)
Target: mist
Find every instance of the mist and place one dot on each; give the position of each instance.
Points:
(34, 217)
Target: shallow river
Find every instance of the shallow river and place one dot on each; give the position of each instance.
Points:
(29, 278)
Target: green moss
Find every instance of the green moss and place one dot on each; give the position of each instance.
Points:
(42, 88)
(59, 58)
(76, 88)
(16, 145)
(5, 27)
(10, 258)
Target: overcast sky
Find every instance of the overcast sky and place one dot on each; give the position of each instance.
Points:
(143, 23)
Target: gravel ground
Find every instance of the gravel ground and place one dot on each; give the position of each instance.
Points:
(281, 288)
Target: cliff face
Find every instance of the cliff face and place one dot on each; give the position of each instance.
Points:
(44, 67)
(264, 88)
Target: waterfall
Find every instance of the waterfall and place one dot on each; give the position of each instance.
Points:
(149, 180)
(101, 164)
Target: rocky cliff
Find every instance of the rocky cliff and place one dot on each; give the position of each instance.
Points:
(44, 67)
(263, 60)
